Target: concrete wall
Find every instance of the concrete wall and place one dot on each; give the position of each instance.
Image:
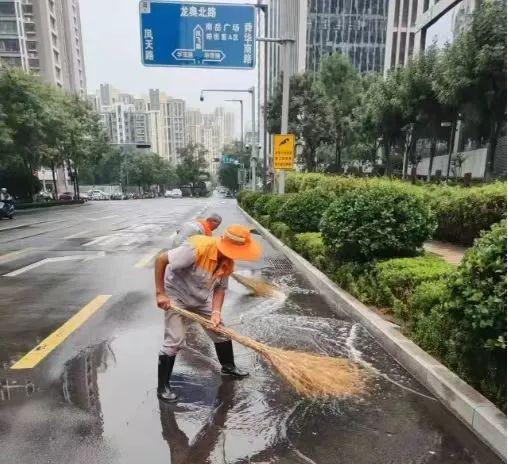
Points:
(474, 162)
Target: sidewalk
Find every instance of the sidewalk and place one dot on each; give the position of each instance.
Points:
(451, 253)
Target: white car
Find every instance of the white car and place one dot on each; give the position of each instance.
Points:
(174, 193)
(97, 195)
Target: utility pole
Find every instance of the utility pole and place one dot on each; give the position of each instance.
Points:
(286, 48)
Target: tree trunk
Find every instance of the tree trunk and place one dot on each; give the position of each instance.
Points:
(76, 183)
(386, 149)
(338, 154)
(55, 187)
(491, 150)
(433, 145)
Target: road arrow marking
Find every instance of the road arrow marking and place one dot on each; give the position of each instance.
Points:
(54, 260)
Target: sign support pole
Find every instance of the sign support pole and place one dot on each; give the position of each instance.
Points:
(254, 143)
(285, 109)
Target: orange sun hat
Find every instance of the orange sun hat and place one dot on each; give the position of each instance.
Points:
(236, 243)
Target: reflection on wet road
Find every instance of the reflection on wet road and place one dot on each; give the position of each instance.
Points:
(93, 399)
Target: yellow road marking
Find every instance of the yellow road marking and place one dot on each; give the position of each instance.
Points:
(34, 357)
(146, 260)
(13, 255)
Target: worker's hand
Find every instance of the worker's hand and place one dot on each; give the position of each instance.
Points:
(215, 319)
(163, 301)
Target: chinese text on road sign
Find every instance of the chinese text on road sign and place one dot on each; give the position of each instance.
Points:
(197, 34)
(283, 151)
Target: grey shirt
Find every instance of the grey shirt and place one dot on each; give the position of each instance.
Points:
(189, 229)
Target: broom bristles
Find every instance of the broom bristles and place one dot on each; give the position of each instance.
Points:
(311, 375)
(259, 286)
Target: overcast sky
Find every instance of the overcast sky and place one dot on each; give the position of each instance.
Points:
(112, 54)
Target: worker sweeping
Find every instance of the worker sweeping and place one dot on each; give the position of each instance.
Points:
(194, 276)
(197, 226)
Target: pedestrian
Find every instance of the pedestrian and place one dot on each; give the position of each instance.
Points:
(197, 226)
(194, 276)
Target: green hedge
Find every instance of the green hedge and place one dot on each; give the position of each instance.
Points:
(310, 245)
(260, 205)
(378, 222)
(303, 211)
(283, 232)
(462, 214)
(248, 200)
(275, 204)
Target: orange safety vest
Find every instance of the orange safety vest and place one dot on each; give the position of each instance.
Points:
(206, 226)
(207, 257)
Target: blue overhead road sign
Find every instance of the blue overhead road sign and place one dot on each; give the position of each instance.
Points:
(204, 35)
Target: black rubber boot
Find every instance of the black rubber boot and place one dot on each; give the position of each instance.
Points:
(226, 358)
(165, 368)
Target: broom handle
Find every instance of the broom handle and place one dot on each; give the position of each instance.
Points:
(246, 341)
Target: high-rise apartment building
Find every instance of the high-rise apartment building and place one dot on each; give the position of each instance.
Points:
(173, 123)
(229, 128)
(125, 125)
(44, 37)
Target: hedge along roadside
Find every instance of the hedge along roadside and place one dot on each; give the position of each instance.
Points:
(461, 213)
(351, 223)
(467, 404)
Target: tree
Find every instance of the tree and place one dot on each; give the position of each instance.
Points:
(384, 111)
(310, 115)
(342, 86)
(474, 73)
(420, 100)
(192, 164)
(228, 176)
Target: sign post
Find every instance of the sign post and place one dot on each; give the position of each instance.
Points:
(199, 35)
(283, 152)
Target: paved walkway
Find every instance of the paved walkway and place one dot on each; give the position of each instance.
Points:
(451, 253)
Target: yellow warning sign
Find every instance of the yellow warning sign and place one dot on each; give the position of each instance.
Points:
(283, 151)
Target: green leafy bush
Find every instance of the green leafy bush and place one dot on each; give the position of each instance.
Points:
(260, 205)
(294, 182)
(378, 222)
(275, 204)
(397, 278)
(241, 195)
(249, 200)
(283, 232)
(356, 278)
(303, 211)
(265, 220)
(310, 245)
(477, 310)
(462, 213)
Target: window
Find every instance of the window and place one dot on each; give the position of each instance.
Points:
(27, 9)
(9, 45)
(413, 12)
(7, 9)
(31, 46)
(54, 39)
(29, 27)
(8, 27)
(53, 22)
(14, 61)
(51, 5)
(33, 62)
(425, 5)
(396, 13)
(405, 11)
(56, 55)
(394, 50)
(402, 51)
(411, 44)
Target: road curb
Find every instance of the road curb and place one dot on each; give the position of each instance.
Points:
(477, 412)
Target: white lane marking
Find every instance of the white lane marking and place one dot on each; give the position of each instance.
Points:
(53, 260)
(13, 255)
(96, 240)
(102, 218)
(79, 234)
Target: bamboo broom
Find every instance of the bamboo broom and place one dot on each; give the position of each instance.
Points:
(311, 375)
(259, 286)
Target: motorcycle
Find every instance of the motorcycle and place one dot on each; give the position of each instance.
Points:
(7, 209)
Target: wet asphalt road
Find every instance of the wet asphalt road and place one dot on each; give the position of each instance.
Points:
(93, 400)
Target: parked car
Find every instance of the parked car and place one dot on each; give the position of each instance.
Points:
(118, 196)
(44, 195)
(174, 193)
(98, 195)
(66, 196)
(83, 196)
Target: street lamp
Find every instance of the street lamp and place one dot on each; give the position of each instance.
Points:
(252, 91)
(241, 115)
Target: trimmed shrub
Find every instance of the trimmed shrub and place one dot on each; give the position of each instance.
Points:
(477, 309)
(303, 211)
(275, 204)
(397, 278)
(265, 220)
(310, 245)
(462, 213)
(260, 205)
(283, 232)
(357, 279)
(249, 200)
(294, 182)
(241, 195)
(378, 222)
